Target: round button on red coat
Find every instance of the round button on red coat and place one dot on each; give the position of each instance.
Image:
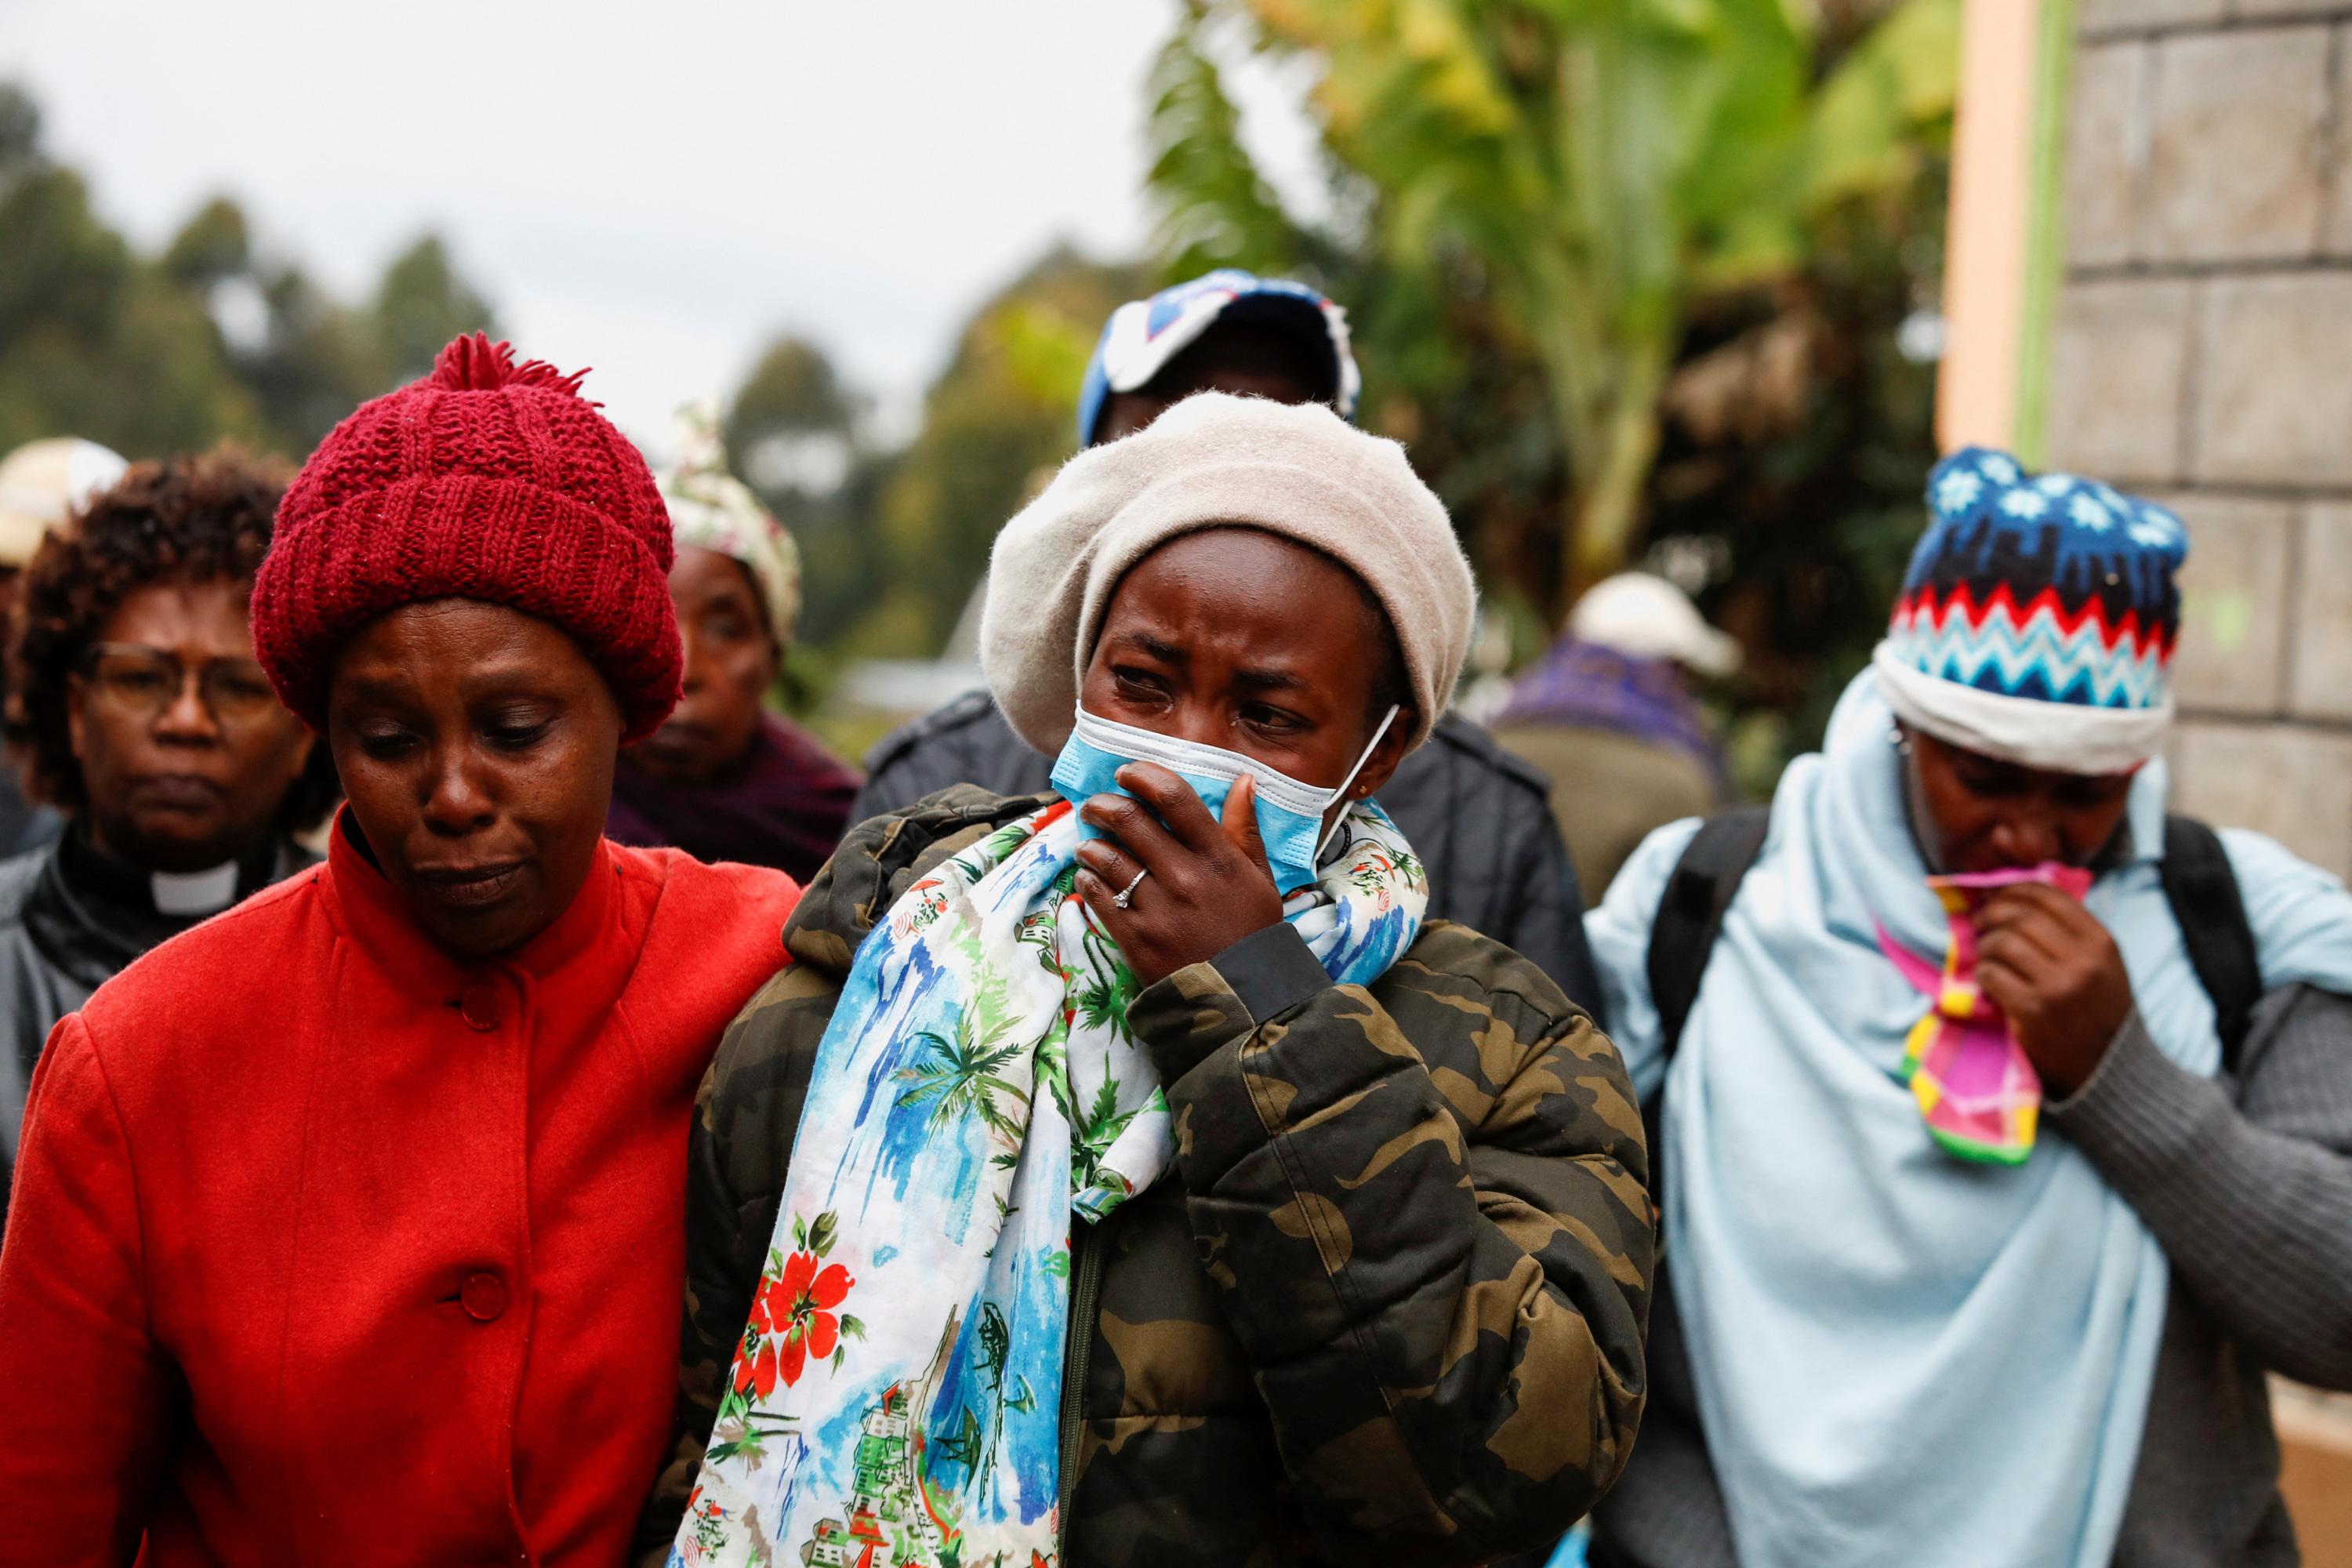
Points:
(484, 1296)
(483, 1007)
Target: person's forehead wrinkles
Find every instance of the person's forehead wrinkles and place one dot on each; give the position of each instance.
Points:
(1152, 643)
(1243, 652)
(478, 672)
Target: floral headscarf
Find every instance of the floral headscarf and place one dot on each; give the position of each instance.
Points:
(712, 510)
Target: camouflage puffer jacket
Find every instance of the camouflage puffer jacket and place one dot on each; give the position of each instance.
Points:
(1389, 1306)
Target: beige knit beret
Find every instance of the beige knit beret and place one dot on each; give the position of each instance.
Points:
(1297, 471)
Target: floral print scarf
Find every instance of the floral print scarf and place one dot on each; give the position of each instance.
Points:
(896, 1395)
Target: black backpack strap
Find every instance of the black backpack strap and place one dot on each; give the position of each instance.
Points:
(2211, 913)
(1691, 913)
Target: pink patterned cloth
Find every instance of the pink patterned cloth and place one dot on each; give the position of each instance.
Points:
(1976, 1087)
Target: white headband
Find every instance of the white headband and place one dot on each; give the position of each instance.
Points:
(2064, 737)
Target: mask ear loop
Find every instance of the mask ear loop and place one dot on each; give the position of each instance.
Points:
(1341, 791)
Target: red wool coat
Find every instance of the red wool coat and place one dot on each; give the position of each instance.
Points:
(328, 1247)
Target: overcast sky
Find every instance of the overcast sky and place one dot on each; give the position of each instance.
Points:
(649, 189)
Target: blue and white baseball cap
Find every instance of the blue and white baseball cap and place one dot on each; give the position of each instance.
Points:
(1143, 335)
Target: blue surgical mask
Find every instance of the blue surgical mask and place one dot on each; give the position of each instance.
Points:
(1289, 814)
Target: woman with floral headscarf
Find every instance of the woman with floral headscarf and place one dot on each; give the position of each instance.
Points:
(724, 778)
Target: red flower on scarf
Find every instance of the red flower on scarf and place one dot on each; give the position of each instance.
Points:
(794, 1316)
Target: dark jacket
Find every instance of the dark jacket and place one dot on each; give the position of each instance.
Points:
(1387, 1308)
(1479, 818)
(784, 803)
(70, 919)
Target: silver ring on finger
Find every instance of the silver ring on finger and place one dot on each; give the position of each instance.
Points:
(1126, 895)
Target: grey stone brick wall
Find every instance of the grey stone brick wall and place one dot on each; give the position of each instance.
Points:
(2201, 354)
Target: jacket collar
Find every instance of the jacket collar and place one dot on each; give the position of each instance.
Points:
(90, 914)
(880, 858)
(370, 911)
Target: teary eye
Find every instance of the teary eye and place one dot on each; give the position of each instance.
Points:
(1266, 717)
(1138, 684)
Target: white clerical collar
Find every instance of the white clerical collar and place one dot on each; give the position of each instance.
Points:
(195, 892)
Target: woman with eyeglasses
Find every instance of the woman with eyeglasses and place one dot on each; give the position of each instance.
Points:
(135, 707)
(347, 1226)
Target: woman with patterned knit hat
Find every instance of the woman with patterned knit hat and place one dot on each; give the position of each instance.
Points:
(723, 778)
(345, 1225)
(2005, 1123)
(1128, 1175)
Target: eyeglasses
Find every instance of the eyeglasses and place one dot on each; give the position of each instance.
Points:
(141, 682)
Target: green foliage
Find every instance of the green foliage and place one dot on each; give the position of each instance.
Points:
(99, 340)
(892, 543)
(996, 422)
(421, 304)
(1576, 176)
(1564, 232)
(214, 246)
(92, 341)
(792, 433)
(1216, 209)
(1804, 496)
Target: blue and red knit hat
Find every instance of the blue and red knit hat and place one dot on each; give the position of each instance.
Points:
(2038, 619)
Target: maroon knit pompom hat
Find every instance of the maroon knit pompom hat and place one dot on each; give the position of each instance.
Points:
(490, 481)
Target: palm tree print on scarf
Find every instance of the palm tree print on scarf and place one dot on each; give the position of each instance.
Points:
(978, 1095)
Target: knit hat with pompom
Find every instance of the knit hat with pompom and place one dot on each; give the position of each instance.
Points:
(490, 481)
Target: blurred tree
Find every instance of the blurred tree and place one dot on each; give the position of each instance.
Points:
(1571, 178)
(996, 422)
(308, 358)
(1799, 434)
(213, 247)
(792, 433)
(311, 362)
(421, 304)
(210, 338)
(20, 128)
(792, 427)
(93, 341)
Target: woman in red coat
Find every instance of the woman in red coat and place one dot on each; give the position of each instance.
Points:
(346, 1225)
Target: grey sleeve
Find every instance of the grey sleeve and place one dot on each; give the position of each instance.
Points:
(2251, 1200)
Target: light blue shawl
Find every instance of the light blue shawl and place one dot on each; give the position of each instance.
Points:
(1901, 1357)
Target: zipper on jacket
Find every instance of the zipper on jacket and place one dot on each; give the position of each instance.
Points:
(1086, 1295)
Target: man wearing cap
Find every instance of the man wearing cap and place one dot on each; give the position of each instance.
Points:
(1477, 814)
(1608, 713)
